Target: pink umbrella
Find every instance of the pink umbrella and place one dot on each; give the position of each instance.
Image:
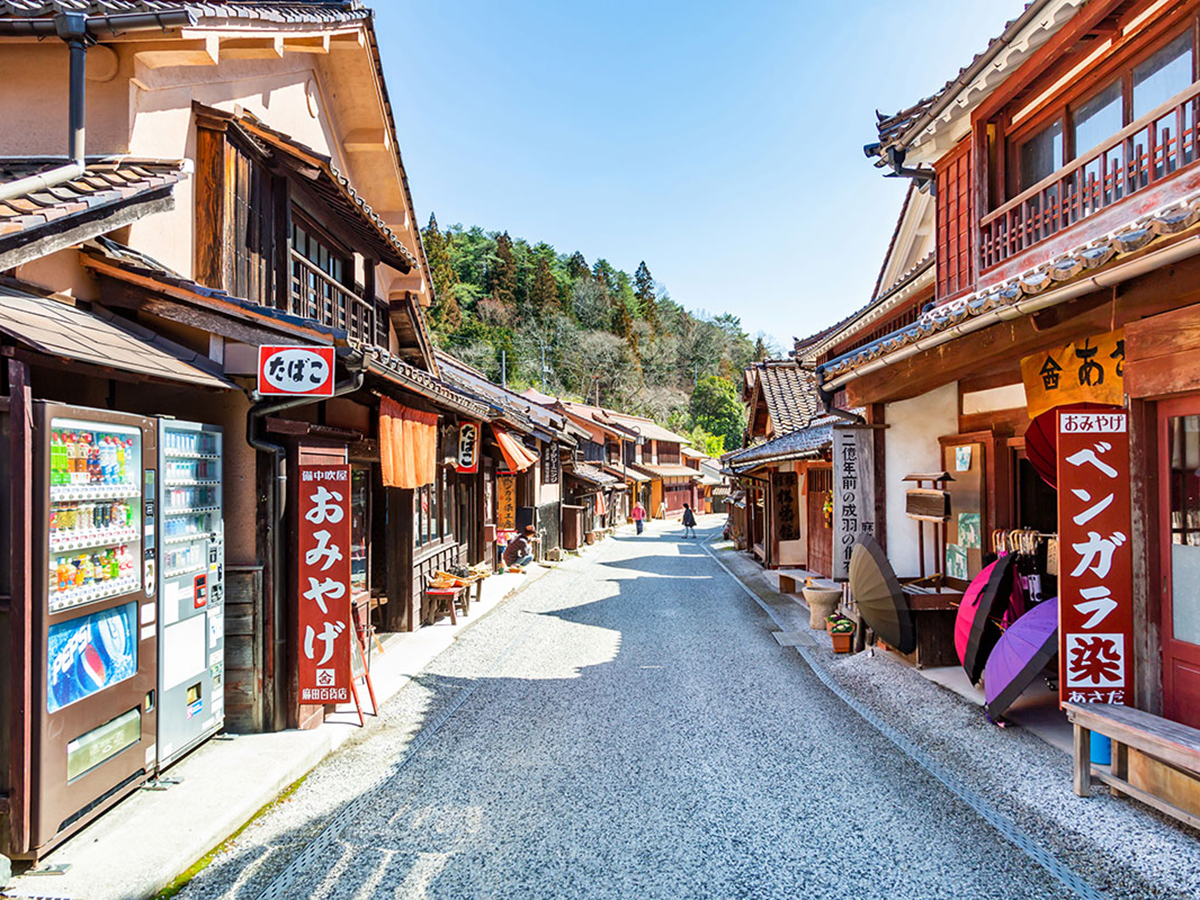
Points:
(977, 627)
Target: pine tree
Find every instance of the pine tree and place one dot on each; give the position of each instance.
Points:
(501, 279)
(445, 315)
(577, 266)
(646, 294)
(761, 352)
(544, 292)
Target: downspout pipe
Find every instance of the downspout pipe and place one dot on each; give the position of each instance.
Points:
(826, 398)
(277, 507)
(79, 33)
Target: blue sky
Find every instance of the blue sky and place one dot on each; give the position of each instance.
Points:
(720, 142)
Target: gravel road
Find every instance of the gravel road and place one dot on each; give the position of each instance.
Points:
(625, 728)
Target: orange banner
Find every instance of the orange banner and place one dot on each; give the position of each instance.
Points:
(407, 445)
(1091, 370)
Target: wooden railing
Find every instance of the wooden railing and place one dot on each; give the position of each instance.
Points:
(1142, 154)
(316, 295)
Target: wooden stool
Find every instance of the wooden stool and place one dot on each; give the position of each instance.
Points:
(454, 595)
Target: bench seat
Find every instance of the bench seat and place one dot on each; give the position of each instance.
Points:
(1173, 743)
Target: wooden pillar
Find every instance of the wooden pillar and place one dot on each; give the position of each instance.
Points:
(400, 613)
(17, 608)
(875, 416)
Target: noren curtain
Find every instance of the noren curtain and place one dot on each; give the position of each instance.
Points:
(407, 445)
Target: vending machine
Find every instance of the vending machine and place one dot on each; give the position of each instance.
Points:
(96, 633)
(191, 596)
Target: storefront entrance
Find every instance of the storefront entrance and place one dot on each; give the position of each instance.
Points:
(1179, 462)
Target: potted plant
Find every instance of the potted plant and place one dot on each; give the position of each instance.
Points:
(842, 632)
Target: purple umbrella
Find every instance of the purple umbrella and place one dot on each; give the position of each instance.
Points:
(1020, 654)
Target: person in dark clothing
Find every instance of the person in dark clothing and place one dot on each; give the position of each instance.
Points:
(519, 551)
(689, 522)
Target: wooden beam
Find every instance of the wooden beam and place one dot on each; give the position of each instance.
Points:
(204, 51)
(71, 230)
(307, 44)
(252, 48)
(366, 139)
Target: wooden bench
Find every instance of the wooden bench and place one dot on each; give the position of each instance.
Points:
(1169, 742)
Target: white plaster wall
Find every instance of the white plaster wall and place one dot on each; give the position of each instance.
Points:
(911, 445)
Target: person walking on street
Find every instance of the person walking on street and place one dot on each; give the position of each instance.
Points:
(689, 521)
(639, 516)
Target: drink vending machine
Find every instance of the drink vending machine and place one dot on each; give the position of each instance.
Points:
(191, 621)
(95, 530)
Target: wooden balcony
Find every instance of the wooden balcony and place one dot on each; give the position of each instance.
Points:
(1142, 155)
(317, 296)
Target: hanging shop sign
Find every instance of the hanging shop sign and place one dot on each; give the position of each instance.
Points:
(551, 465)
(1087, 371)
(506, 502)
(853, 492)
(295, 371)
(323, 557)
(1095, 579)
(787, 505)
(468, 448)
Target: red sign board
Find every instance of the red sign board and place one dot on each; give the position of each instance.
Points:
(468, 448)
(323, 555)
(1095, 570)
(295, 371)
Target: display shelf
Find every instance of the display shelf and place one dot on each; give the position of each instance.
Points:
(186, 570)
(88, 540)
(188, 538)
(184, 454)
(91, 593)
(187, 482)
(190, 510)
(65, 493)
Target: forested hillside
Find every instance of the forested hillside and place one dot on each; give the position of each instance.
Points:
(591, 331)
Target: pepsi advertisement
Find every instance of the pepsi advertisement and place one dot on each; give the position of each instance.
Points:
(91, 653)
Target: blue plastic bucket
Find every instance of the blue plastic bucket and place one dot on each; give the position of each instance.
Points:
(1101, 749)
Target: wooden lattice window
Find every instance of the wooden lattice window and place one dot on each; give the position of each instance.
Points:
(955, 223)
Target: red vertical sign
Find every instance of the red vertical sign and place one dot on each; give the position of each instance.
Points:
(323, 555)
(1095, 574)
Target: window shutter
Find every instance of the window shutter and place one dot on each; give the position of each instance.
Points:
(955, 224)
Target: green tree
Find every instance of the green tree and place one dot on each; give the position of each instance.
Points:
(445, 315)
(577, 266)
(647, 296)
(543, 293)
(501, 279)
(715, 408)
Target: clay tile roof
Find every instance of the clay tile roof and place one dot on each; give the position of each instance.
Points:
(315, 11)
(592, 475)
(789, 392)
(109, 185)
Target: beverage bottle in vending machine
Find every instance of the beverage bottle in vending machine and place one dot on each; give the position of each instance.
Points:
(121, 461)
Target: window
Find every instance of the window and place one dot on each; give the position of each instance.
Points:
(955, 223)
(318, 251)
(1162, 76)
(1098, 118)
(1041, 155)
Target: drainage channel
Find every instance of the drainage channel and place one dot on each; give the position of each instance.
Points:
(280, 887)
(1015, 836)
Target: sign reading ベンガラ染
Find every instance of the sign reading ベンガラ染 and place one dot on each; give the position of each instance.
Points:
(1088, 371)
(853, 492)
(323, 607)
(506, 502)
(1095, 580)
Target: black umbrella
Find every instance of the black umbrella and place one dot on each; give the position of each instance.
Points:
(881, 602)
(977, 627)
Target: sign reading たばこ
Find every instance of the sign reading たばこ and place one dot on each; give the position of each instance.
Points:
(295, 371)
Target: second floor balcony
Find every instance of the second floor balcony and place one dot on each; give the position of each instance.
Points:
(1149, 153)
(316, 295)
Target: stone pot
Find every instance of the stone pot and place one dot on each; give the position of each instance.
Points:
(821, 603)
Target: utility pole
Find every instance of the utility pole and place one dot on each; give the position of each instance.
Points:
(504, 369)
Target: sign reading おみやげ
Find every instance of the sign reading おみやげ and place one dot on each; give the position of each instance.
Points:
(323, 555)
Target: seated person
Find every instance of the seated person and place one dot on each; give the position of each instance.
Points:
(519, 551)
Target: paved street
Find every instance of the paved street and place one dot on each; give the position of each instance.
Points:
(627, 727)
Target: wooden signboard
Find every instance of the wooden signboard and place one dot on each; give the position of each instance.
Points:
(787, 506)
(1091, 370)
(324, 629)
(927, 505)
(506, 502)
(1095, 581)
(853, 492)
